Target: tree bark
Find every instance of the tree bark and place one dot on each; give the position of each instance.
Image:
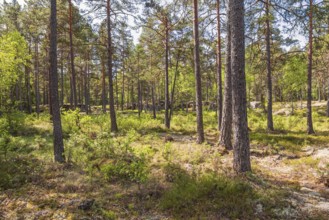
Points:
(167, 120)
(225, 138)
(36, 76)
(103, 87)
(241, 153)
(197, 71)
(219, 69)
(114, 127)
(56, 115)
(310, 129)
(269, 70)
(74, 88)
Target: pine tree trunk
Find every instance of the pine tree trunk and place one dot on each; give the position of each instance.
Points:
(153, 102)
(173, 87)
(114, 127)
(103, 87)
(74, 88)
(56, 116)
(310, 129)
(197, 71)
(241, 153)
(36, 77)
(219, 70)
(269, 70)
(167, 120)
(225, 138)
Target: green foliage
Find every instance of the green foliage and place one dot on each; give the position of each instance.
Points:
(129, 169)
(71, 122)
(192, 195)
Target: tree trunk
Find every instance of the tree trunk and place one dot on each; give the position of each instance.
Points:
(269, 70)
(56, 116)
(36, 76)
(173, 87)
(219, 70)
(241, 153)
(114, 127)
(74, 88)
(62, 79)
(167, 120)
(310, 129)
(153, 102)
(225, 138)
(28, 84)
(197, 71)
(123, 86)
(103, 87)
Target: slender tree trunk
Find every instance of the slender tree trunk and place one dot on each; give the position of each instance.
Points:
(197, 71)
(28, 84)
(153, 102)
(36, 77)
(139, 91)
(114, 127)
(225, 138)
(123, 86)
(62, 79)
(310, 129)
(219, 70)
(103, 87)
(241, 153)
(74, 88)
(173, 87)
(269, 69)
(56, 116)
(167, 120)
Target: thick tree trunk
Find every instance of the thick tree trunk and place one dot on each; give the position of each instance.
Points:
(74, 88)
(114, 127)
(225, 138)
(269, 70)
(56, 116)
(219, 70)
(167, 120)
(197, 71)
(241, 153)
(310, 129)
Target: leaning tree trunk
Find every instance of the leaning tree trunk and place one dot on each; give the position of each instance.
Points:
(310, 129)
(114, 127)
(241, 153)
(225, 138)
(74, 87)
(269, 73)
(56, 115)
(219, 70)
(197, 71)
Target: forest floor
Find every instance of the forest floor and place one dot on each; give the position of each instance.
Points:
(148, 172)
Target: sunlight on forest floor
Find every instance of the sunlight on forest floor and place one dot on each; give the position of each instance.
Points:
(137, 174)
